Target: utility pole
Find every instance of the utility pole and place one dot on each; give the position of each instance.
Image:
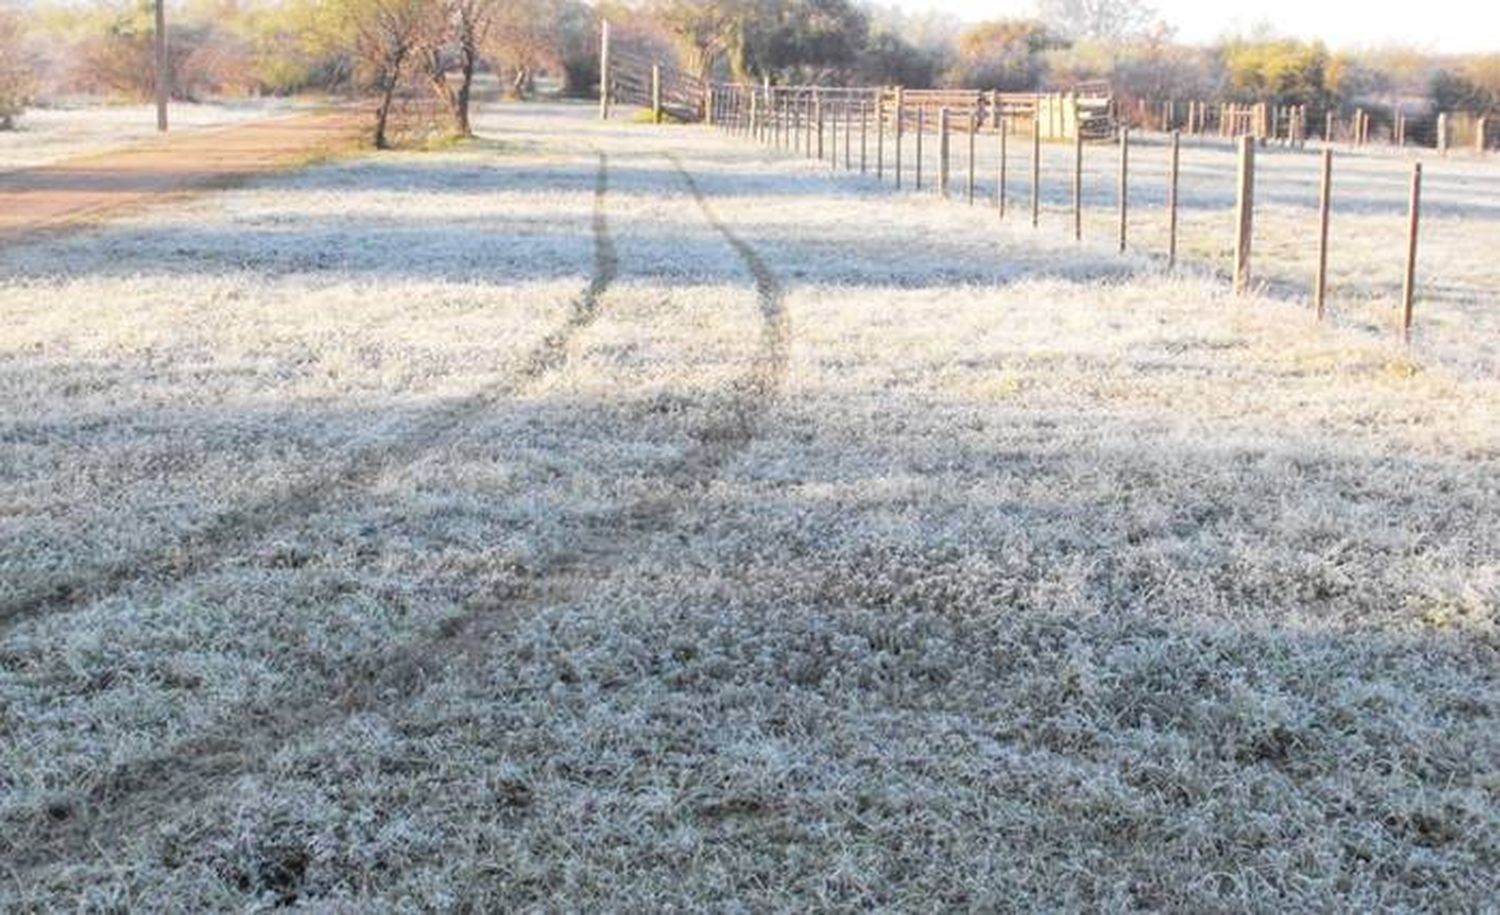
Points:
(604, 72)
(162, 76)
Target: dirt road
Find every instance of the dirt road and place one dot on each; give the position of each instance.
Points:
(89, 188)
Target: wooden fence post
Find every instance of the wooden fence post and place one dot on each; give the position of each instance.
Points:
(1036, 168)
(834, 123)
(812, 105)
(818, 116)
(1479, 126)
(767, 108)
(900, 130)
(1172, 180)
(604, 70)
(1244, 211)
(1325, 205)
(1000, 178)
(848, 134)
(973, 139)
(833, 135)
(1409, 285)
(1078, 185)
(944, 172)
(864, 135)
(794, 122)
(1442, 134)
(921, 129)
(656, 93)
(880, 137)
(1124, 184)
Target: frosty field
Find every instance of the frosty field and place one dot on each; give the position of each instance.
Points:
(628, 518)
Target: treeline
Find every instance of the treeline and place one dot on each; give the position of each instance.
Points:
(230, 48)
(432, 49)
(1067, 42)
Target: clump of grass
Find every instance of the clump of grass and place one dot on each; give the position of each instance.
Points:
(645, 116)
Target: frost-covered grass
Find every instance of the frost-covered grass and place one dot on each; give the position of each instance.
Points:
(1003, 574)
(45, 135)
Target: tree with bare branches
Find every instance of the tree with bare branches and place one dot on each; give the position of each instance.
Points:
(525, 37)
(459, 48)
(389, 37)
(705, 30)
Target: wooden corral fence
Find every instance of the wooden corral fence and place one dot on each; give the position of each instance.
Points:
(628, 76)
(1293, 125)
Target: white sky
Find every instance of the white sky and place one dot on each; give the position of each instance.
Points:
(1433, 25)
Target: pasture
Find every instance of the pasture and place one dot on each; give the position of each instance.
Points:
(605, 516)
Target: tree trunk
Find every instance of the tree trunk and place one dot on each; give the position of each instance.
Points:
(465, 89)
(387, 97)
(383, 113)
(437, 76)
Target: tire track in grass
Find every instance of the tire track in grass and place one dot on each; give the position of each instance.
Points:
(200, 549)
(760, 385)
(136, 794)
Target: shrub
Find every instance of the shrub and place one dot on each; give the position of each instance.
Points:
(17, 80)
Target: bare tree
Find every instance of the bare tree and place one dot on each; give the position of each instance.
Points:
(703, 29)
(525, 37)
(467, 25)
(389, 37)
(1098, 20)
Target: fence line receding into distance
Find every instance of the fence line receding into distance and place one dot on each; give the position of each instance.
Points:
(866, 129)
